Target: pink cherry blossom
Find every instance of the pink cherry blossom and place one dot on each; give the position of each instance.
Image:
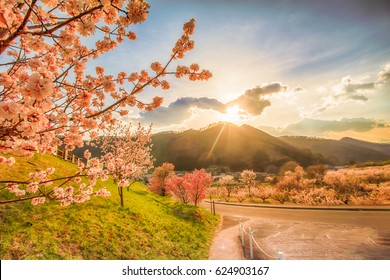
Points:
(46, 97)
(197, 184)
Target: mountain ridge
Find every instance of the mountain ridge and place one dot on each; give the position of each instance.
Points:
(344, 151)
(232, 147)
(225, 144)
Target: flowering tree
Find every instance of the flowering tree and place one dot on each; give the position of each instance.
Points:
(192, 187)
(263, 193)
(288, 166)
(159, 181)
(315, 196)
(240, 195)
(127, 154)
(345, 185)
(316, 172)
(214, 191)
(177, 187)
(378, 193)
(197, 184)
(227, 182)
(281, 195)
(294, 180)
(46, 96)
(248, 177)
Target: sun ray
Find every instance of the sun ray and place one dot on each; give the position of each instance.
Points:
(216, 140)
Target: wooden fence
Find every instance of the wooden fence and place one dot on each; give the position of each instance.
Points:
(68, 156)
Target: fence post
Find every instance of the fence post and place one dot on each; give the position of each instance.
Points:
(214, 207)
(250, 243)
(242, 231)
(242, 235)
(66, 154)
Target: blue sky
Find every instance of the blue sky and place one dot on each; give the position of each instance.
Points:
(326, 61)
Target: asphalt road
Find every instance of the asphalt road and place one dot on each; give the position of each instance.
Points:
(312, 234)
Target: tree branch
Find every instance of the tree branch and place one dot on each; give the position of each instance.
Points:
(4, 44)
(66, 22)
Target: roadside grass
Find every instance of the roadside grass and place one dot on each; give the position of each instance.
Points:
(147, 227)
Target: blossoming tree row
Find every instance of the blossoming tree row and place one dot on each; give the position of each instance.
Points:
(370, 185)
(192, 187)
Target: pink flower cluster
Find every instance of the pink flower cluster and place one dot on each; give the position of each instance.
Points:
(102, 192)
(44, 90)
(192, 187)
(14, 188)
(8, 161)
(38, 200)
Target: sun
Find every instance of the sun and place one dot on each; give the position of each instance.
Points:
(232, 115)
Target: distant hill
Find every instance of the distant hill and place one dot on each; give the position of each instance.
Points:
(228, 145)
(344, 151)
(380, 147)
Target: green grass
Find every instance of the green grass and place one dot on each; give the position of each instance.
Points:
(148, 227)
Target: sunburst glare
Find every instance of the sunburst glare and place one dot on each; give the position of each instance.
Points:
(233, 115)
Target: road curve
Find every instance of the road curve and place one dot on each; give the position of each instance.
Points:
(307, 234)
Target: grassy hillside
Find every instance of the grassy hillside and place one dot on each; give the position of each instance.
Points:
(148, 227)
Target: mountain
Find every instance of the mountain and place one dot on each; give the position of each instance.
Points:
(380, 147)
(340, 152)
(240, 147)
(227, 145)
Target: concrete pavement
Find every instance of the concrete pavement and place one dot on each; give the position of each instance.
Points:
(226, 245)
(305, 234)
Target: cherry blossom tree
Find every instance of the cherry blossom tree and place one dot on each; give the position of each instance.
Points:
(127, 154)
(241, 194)
(281, 196)
(248, 178)
(316, 172)
(159, 181)
(347, 187)
(379, 193)
(177, 187)
(214, 192)
(47, 98)
(315, 196)
(227, 182)
(263, 193)
(288, 166)
(197, 184)
(294, 180)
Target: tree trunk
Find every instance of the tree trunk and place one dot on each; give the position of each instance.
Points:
(120, 191)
